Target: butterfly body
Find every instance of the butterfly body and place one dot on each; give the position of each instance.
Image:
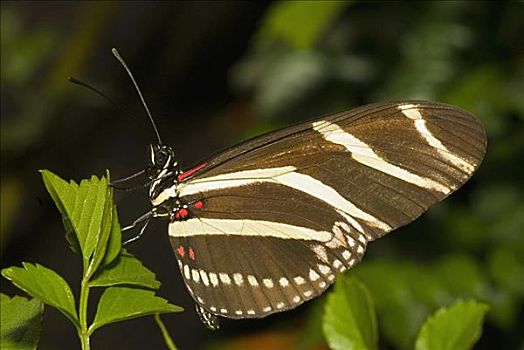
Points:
(268, 224)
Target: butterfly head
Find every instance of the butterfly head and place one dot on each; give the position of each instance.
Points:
(161, 157)
(162, 170)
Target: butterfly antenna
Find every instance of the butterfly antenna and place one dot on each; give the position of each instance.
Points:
(121, 60)
(98, 92)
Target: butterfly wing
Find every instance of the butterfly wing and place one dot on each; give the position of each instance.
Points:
(279, 215)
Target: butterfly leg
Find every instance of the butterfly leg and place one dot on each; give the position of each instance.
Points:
(132, 239)
(145, 219)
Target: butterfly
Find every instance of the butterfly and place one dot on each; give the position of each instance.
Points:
(267, 224)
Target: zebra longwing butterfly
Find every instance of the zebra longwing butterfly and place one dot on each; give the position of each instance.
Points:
(267, 224)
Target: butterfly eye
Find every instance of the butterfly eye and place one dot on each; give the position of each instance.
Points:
(161, 158)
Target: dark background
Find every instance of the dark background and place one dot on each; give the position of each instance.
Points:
(215, 73)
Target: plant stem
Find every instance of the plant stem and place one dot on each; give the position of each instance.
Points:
(84, 340)
(167, 338)
(82, 312)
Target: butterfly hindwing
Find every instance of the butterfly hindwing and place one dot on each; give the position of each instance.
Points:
(270, 274)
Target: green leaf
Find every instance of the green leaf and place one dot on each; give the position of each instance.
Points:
(165, 334)
(114, 243)
(126, 269)
(457, 327)
(55, 186)
(92, 214)
(298, 23)
(60, 191)
(44, 284)
(86, 208)
(349, 317)
(21, 321)
(71, 236)
(123, 303)
(102, 238)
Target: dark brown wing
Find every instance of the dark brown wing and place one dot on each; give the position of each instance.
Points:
(302, 202)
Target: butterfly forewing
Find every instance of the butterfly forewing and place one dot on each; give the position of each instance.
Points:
(272, 220)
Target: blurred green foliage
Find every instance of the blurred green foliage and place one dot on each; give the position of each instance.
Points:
(21, 52)
(299, 24)
(306, 59)
(350, 321)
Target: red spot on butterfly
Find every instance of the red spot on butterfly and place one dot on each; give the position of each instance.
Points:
(186, 174)
(181, 213)
(191, 254)
(198, 204)
(180, 251)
